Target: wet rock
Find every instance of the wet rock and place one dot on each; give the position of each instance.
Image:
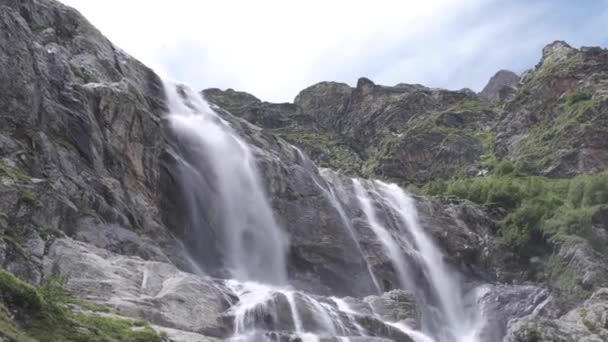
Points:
(394, 306)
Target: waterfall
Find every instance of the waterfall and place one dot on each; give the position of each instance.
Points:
(331, 179)
(462, 325)
(384, 236)
(452, 320)
(229, 221)
(252, 244)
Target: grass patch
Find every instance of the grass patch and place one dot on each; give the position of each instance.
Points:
(577, 96)
(486, 139)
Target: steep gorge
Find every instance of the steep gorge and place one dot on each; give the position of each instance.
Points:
(205, 221)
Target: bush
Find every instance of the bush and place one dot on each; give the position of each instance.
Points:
(536, 209)
(504, 168)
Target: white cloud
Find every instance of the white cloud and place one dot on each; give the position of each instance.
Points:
(274, 48)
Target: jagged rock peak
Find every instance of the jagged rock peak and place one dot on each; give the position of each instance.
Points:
(495, 89)
(556, 47)
(365, 86)
(555, 52)
(364, 82)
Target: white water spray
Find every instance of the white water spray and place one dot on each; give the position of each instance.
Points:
(384, 236)
(330, 193)
(462, 325)
(254, 245)
(452, 320)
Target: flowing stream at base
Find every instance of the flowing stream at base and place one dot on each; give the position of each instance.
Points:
(253, 247)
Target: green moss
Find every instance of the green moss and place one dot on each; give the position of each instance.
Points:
(13, 173)
(44, 316)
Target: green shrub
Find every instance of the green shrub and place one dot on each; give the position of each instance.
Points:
(537, 210)
(504, 168)
(577, 96)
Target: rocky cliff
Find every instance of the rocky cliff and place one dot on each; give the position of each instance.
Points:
(97, 229)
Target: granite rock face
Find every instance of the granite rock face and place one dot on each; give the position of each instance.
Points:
(81, 137)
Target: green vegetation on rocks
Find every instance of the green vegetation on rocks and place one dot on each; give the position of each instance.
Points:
(13, 173)
(328, 152)
(28, 313)
(575, 117)
(538, 213)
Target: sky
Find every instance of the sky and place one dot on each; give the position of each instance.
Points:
(275, 48)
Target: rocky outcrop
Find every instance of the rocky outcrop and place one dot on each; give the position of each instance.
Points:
(374, 130)
(555, 123)
(153, 291)
(188, 307)
(585, 323)
(81, 138)
(501, 86)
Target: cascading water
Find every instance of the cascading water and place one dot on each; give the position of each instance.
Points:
(253, 244)
(462, 324)
(445, 315)
(334, 182)
(227, 205)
